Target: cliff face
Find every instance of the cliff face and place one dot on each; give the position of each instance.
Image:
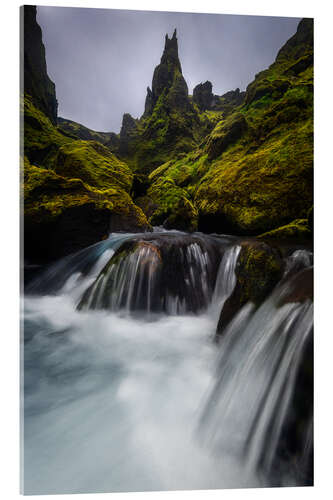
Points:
(36, 81)
(204, 98)
(75, 189)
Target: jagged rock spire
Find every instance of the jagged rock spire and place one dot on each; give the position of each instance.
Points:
(170, 54)
(168, 78)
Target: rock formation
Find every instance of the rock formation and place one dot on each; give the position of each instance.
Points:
(75, 191)
(36, 80)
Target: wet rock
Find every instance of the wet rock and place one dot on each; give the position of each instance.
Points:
(157, 273)
(300, 288)
(258, 270)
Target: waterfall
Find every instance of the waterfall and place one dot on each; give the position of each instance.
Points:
(226, 278)
(124, 389)
(154, 275)
(75, 268)
(261, 356)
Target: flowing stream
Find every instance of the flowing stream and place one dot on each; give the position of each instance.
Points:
(129, 391)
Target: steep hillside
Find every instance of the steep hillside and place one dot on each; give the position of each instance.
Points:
(79, 131)
(238, 163)
(254, 171)
(75, 191)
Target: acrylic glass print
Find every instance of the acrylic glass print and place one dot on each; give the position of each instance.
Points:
(168, 265)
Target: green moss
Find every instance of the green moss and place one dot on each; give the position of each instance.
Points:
(78, 131)
(172, 206)
(298, 229)
(261, 177)
(259, 268)
(263, 189)
(75, 191)
(94, 164)
(225, 134)
(47, 195)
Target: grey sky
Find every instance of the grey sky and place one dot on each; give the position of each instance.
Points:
(102, 60)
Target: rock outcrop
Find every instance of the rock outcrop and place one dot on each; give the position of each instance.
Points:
(258, 270)
(78, 131)
(203, 96)
(170, 125)
(36, 81)
(157, 272)
(168, 79)
(75, 191)
(128, 134)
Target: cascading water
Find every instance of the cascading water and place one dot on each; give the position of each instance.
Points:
(163, 274)
(116, 402)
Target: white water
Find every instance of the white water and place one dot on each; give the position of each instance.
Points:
(114, 403)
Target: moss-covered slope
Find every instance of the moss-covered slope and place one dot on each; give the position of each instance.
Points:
(62, 215)
(79, 131)
(75, 191)
(254, 171)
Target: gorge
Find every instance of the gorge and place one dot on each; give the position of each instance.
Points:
(168, 284)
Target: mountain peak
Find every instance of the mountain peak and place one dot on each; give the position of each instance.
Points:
(168, 77)
(170, 53)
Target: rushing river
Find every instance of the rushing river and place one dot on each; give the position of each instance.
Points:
(116, 400)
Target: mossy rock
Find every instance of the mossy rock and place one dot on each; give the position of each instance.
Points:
(63, 215)
(265, 88)
(253, 192)
(174, 209)
(259, 268)
(41, 138)
(184, 217)
(47, 147)
(297, 229)
(225, 134)
(94, 164)
(166, 275)
(79, 131)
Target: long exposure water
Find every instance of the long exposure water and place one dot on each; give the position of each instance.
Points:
(115, 401)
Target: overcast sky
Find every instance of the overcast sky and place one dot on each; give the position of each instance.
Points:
(103, 60)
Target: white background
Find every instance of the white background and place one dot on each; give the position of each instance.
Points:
(9, 245)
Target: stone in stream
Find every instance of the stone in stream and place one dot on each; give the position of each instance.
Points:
(157, 273)
(258, 270)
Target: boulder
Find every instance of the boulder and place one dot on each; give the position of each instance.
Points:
(157, 273)
(259, 268)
